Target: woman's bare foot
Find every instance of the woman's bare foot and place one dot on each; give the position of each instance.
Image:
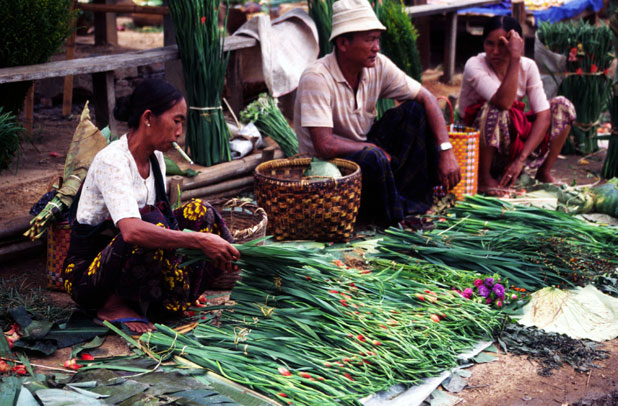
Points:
(490, 187)
(546, 177)
(115, 310)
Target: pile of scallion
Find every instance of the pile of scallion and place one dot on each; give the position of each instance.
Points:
(586, 83)
(200, 44)
(321, 11)
(308, 330)
(529, 246)
(610, 166)
(265, 114)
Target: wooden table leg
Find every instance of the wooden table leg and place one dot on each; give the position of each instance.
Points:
(450, 46)
(104, 100)
(29, 109)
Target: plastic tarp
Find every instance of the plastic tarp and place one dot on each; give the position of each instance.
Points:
(552, 14)
(580, 313)
(288, 45)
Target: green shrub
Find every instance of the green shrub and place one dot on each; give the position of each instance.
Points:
(30, 32)
(398, 42)
(9, 138)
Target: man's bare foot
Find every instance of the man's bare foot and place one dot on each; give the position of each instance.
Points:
(115, 310)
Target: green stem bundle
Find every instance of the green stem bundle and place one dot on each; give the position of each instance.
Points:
(588, 52)
(321, 11)
(610, 166)
(204, 62)
(267, 117)
(306, 330)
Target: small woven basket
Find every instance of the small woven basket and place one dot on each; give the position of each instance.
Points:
(58, 239)
(245, 220)
(466, 146)
(301, 208)
(466, 142)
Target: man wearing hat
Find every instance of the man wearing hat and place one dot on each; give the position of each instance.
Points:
(404, 154)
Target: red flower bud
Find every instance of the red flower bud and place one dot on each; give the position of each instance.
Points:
(347, 375)
(579, 71)
(283, 371)
(305, 375)
(86, 357)
(360, 337)
(333, 291)
(283, 395)
(376, 342)
(203, 20)
(435, 318)
(593, 68)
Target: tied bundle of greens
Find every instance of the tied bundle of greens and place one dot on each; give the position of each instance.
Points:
(321, 11)
(306, 329)
(531, 247)
(588, 52)
(610, 166)
(204, 62)
(10, 132)
(267, 117)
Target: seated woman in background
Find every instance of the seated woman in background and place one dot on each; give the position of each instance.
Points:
(122, 262)
(494, 84)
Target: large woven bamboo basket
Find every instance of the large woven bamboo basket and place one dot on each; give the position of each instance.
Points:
(301, 208)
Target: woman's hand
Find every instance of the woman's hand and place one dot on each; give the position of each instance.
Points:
(514, 45)
(511, 174)
(220, 251)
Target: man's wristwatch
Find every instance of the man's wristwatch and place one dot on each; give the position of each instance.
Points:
(445, 146)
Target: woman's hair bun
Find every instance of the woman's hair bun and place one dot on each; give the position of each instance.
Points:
(122, 110)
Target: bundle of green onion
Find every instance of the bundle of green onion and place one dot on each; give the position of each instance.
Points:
(610, 166)
(321, 11)
(267, 117)
(204, 62)
(531, 247)
(588, 51)
(308, 330)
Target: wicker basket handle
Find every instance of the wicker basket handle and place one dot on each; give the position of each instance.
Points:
(450, 105)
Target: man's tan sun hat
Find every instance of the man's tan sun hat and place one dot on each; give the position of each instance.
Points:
(353, 16)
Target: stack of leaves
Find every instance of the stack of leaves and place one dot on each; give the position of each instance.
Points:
(610, 166)
(10, 132)
(321, 11)
(551, 350)
(529, 246)
(267, 117)
(307, 331)
(200, 44)
(587, 49)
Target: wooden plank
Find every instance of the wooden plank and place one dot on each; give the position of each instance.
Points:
(105, 63)
(122, 8)
(452, 5)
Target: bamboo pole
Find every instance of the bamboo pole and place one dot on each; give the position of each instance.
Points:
(67, 95)
(218, 188)
(217, 173)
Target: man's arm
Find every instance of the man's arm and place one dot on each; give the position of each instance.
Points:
(449, 174)
(328, 145)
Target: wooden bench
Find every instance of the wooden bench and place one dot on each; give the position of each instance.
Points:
(450, 10)
(102, 69)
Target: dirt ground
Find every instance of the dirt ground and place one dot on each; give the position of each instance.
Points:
(510, 380)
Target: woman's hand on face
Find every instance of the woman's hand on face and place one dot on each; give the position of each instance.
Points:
(511, 174)
(514, 44)
(220, 251)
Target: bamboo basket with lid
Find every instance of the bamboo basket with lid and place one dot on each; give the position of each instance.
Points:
(315, 208)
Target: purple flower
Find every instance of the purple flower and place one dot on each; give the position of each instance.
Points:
(478, 282)
(488, 300)
(498, 290)
(467, 293)
(489, 282)
(499, 303)
(484, 291)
